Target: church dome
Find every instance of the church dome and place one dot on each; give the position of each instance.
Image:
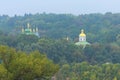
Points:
(82, 33)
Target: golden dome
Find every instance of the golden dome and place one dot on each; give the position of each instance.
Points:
(22, 29)
(82, 33)
(28, 25)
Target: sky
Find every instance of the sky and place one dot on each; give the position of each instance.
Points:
(76, 7)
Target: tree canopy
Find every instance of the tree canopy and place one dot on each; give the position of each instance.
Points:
(17, 65)
(99, 61)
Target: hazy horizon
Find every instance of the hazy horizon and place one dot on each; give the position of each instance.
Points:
(75, 7)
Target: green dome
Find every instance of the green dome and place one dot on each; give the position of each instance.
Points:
(26, 30)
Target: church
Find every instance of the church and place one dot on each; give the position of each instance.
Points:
(30, 31)
(82, 40)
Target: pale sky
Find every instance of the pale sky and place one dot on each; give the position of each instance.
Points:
(20, 7)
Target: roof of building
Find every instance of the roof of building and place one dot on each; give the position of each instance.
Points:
(82, 43)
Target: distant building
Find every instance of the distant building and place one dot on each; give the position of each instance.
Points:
(53, 78)
(30, 31)
(82, 39)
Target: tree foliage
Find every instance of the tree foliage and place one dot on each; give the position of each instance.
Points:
(21, 66)
(85, 71)
(103, 55)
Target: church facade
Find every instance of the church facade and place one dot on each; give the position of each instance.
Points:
(82, 39)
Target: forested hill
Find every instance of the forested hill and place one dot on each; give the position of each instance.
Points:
(100, 28)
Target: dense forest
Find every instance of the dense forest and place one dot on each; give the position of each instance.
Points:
(100, 28)
(98, 61)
